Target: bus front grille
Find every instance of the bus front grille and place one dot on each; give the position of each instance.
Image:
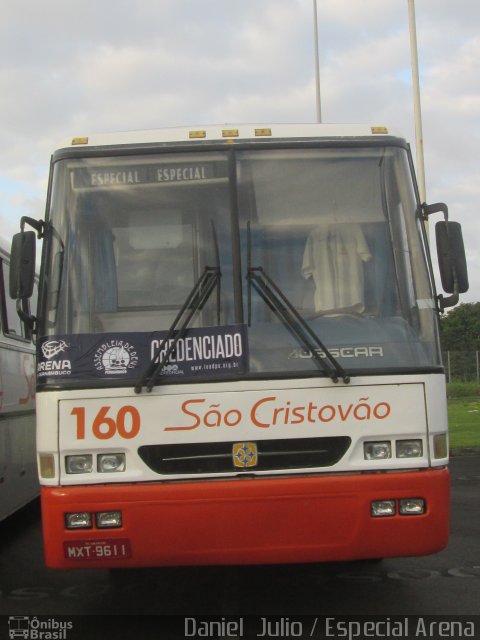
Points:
(261, 455)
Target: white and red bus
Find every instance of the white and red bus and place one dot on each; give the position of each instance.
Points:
(18, 460)
(238, 351)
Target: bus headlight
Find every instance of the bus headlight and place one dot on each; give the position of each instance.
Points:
(108, 519)
(409, 448)
(111, 462)
(377, 450)
(383, 508)
(79, 520)
(411, 506)
(82, 463)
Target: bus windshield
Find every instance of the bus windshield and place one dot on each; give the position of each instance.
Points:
(333, 230)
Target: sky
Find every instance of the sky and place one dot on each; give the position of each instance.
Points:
(70, 68)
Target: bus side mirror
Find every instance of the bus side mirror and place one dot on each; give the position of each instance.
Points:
(451, 261)
(22, 265)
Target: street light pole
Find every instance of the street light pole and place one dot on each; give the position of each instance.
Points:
(317, 62)
(416, 102)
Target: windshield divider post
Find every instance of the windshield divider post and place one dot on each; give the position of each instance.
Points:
(217, 261)
(249, 271)
(235, 241)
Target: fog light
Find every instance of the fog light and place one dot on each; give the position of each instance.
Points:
(440, 446)
(80, 520)
(409, 448)
(377, 450)
(79, 463)
(412, 506)
(111, 462)
(383, 508)
(108, 519)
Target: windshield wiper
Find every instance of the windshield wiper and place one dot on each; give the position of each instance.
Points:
(194, 303)
(276, 300)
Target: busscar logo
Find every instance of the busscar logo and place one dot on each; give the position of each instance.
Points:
(37, 629)
(115, 357)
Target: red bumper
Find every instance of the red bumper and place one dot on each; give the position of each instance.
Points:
(248, 521)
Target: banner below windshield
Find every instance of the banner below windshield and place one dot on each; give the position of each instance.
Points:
(201, 352)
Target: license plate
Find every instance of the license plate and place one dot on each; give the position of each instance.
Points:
(117, 548)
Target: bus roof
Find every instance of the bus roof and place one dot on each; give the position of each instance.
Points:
(228, 133)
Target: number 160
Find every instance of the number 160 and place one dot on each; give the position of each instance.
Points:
(126, 423)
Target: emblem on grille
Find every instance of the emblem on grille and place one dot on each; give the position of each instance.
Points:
(245, 454)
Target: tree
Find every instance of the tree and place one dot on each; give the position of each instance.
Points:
(460, 328)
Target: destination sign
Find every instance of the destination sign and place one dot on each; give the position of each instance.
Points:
(147, 174)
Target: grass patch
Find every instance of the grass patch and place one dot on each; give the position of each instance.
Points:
(463, 390)
(464, 422)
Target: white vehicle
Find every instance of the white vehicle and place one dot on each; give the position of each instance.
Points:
(18, 460)
(238, 354)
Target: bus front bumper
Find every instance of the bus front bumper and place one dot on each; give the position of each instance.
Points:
(247, 520)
